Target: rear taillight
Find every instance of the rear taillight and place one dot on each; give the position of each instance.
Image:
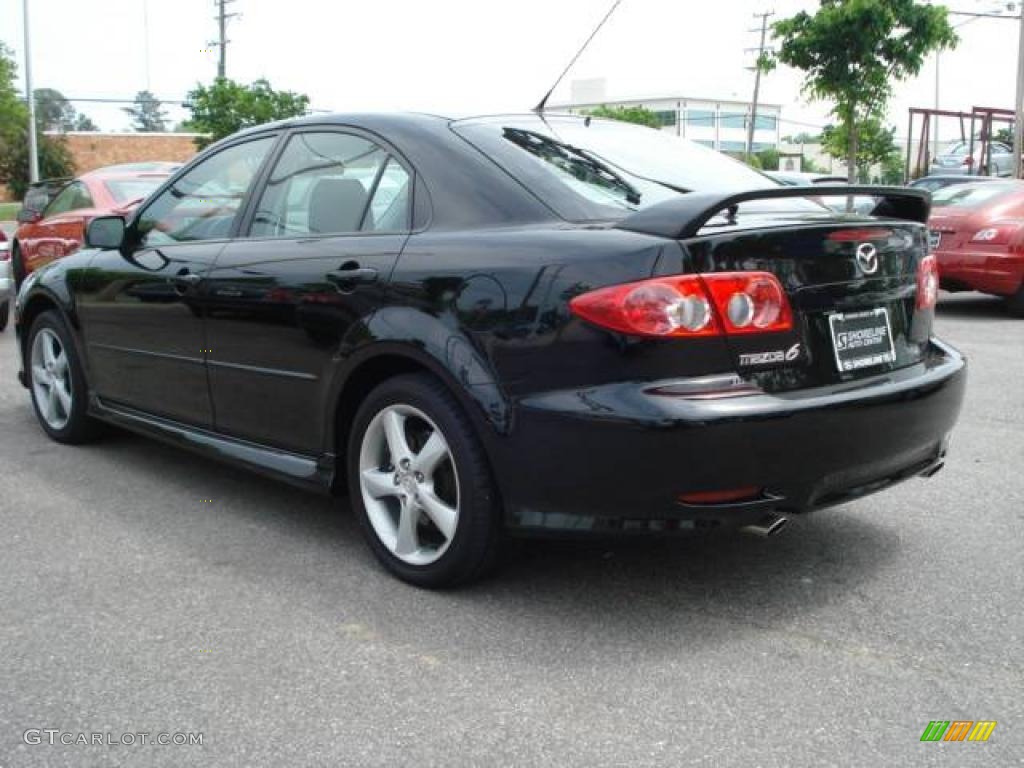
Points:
(690, 305)
(968, 160)
(749, 302)
(927, 282)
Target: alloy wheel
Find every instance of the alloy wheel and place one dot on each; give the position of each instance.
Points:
(51, 379)
(409, 484)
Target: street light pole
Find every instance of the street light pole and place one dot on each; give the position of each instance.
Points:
(33, 150)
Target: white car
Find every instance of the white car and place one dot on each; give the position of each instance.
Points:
(6, 283)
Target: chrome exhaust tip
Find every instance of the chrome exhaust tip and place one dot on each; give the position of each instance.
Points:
(767, 526)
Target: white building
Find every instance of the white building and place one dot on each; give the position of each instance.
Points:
(717, 123)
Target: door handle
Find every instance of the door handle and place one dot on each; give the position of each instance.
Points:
(352, 276)
(188, 278)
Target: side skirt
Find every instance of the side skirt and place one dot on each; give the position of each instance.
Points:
(307, 472)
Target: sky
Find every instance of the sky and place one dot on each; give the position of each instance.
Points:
(461, 56)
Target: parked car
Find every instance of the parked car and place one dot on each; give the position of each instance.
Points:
(5, 279)
(959, 159)
(977, 235)
(861, 204)
(933, 183)
(53, 225)
(516, 323)
(801, 179)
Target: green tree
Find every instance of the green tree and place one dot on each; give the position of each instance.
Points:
(53, 111)
(638, 115)
(1004, 135)
(147, 113)
(802, 138)
(876, 144)
(54, 158)
(769, 159)
(84, 123)
(853, 51)
(221, 109)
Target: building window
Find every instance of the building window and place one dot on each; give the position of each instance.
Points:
(700, 118)
(734, 120)
(666, 117)
(766, 122)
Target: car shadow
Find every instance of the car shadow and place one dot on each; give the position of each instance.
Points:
(972, 305)
(696, 589)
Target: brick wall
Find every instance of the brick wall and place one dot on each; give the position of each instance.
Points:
(95, 150)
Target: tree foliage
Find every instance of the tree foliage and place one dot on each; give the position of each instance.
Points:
(56, 113)
(637, 115)
(53, 111)
(221, 109)
(147, 113)
(853, 51)
(876, 145)
(54, 157)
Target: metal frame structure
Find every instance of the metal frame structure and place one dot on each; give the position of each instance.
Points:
(982, 121)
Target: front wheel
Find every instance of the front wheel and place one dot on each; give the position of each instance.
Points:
(17, 268)
(421, 486)
(57, 382)
(1015, 303)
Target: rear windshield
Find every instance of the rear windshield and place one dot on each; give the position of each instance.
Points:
(601, 169)
(132, 190)
(970, 195)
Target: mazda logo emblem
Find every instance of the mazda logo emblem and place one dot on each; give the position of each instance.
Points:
(867, 257)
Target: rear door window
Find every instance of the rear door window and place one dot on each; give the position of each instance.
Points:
(329, 183)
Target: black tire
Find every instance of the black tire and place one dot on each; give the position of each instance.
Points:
(80, 427)
(474, 548)
(1015, 303)
(5, 312)
(17, 268)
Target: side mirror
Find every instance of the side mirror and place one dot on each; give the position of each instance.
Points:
(28, 216)
(105, 232)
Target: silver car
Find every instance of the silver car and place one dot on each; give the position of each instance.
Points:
(958, 159)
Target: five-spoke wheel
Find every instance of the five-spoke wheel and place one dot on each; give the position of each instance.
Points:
(51, 379)
(409, 484)
(420, 483)
(57, 382)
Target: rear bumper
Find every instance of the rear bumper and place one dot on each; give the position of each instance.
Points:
(618, 457)
(998, 273)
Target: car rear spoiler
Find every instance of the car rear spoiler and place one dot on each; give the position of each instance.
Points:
(684, 216)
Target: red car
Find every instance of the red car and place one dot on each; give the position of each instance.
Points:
(59, 228)
(977, 235)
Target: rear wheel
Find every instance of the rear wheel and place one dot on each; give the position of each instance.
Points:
(4, 313)
(421, 486)
(57, 382)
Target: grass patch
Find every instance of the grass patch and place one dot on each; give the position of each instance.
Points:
(8, 211)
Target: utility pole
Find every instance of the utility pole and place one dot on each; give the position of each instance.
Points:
(33, 149)
(1018, 122)
(222, 40)
(757, 80)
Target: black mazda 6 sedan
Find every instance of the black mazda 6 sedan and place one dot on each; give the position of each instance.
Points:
(523, 323)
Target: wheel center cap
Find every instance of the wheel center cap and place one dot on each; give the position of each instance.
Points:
(409, 484)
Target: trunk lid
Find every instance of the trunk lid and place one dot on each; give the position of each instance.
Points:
(852, 286)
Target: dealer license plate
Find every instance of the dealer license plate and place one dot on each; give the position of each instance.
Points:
(862, 339)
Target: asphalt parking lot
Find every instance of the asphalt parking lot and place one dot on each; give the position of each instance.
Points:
(145, 590)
